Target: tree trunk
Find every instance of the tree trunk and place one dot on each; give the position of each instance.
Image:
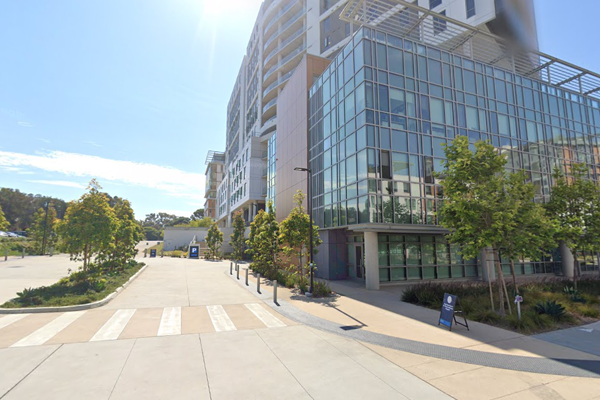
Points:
(514, 276)
(575, 269)
(487, 265)
(500, 280)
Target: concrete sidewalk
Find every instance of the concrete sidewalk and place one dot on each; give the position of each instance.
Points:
(382, 312)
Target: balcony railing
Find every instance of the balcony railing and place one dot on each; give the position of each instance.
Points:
(282, 45)
(284, 60)
(269, 105)
(283, 27)
(280, 14)
(277, 82)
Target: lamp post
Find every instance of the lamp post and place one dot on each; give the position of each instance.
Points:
(310, 230)
(45, 225)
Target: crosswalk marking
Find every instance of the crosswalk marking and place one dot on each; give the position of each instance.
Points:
(266, 317)
(220, 319)
(114, 326)
(10, 319)
(170, 322)
(47, 331)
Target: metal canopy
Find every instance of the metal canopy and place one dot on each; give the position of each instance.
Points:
(404, 19)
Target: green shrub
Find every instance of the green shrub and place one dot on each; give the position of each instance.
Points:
(303, 285)
(588, 310)
(321, 289)
(573, 294)
(551, 308)
(485, 316)
(527, 323)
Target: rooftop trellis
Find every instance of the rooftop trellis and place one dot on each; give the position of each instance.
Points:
(408, 20)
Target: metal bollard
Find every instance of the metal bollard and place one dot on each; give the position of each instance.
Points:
(22, 253)
(275, 292)
(145, 252)
(246, 276)
(237, 271)
(6, 255)
(258, 283)
(162, 253)
(230, 268)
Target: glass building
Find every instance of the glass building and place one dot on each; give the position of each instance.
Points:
(378, 119)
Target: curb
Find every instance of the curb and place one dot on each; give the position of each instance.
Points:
(77, 307)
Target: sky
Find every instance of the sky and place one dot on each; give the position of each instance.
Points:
(134, 93)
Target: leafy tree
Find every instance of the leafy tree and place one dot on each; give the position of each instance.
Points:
(152, 233)
(19, 208)
(205, 222)
(531, 230)
(574, 203)
(237, 237)
(197, 215)
(294, 232)
(89, 225)
(475, 204)
(128, 232)
(42, 223)
(3, 222)
(214, 240)
(263, 243)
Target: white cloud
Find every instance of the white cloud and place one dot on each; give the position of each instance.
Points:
(43, 140)
(59, 183)
(25, 124)
(92, 143)
(169, 180)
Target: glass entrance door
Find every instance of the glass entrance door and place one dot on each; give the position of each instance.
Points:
(358, 260)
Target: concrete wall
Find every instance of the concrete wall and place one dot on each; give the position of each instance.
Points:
(292, 134)
(176, 237)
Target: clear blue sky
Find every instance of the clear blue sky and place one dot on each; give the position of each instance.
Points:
(135, 92)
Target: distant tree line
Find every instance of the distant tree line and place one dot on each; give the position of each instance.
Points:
(19, 208)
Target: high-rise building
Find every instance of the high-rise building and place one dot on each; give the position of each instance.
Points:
(380, 114)
(215, 167)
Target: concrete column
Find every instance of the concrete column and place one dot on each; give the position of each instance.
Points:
(567, 260)
(371, 261)
(488, 266)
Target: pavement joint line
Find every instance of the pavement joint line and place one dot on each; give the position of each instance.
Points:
(282, 363)
(122, 368)
(204, 363)
(31, 372)
(565, 367)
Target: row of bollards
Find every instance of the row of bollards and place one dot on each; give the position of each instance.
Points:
(237, 273)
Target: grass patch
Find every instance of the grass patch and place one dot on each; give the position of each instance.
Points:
(157, 247)
(15, 246)
(77, 288)
(547, 305)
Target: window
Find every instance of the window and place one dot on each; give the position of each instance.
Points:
(470, 8)
(434, 3)
(326, 25)
(326, 42)
(439, 24)
(347, 29)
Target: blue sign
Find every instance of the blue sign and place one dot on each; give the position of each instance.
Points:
(447, 314)
(193, 251)
(152, 252)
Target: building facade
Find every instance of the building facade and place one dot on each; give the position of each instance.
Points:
(215, 168)
(379, 117)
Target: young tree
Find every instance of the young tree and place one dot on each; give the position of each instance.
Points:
(205, 222)
(89, 225)
(43, 228)
(575, 204)
(475, 205)
(294, 232)
(531, 231)
(237, 237)
(214, 240)
(128, 232)
(263, 244)
(3, 222)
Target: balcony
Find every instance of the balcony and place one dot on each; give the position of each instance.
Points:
(280, 14)
(265, 171)
(269, 105)
(285, 59)
(282, 45)
(278, 82)
(294, 18)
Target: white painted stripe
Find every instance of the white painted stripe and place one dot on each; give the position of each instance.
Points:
(47, 331)
(170, 323)
(266, 317)
(220, 319)
(11, 319)
(114, 326)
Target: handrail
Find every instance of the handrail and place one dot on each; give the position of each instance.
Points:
(269, 105)
(282, 45)
(284, 60)
(277, 82)
(289, 23)
(280, 14)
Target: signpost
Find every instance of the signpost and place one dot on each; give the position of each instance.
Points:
(152, 253)
(194, 251)
(519, 300)
(448, 313)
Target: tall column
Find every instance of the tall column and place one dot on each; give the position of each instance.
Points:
(371, 261)
(567, 260)
(488, 267)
